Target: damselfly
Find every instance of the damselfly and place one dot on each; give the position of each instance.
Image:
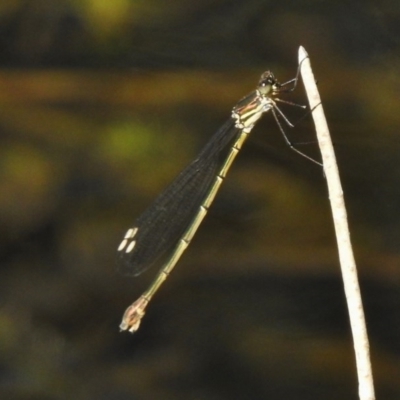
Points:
(170, 223)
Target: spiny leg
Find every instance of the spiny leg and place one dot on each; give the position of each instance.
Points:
(288, 142)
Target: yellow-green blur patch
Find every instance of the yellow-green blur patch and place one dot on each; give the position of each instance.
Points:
(144, 154)
(108, 18)
(128, 141)
(28, 180)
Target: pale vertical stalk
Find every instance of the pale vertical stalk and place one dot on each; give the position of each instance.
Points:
(347, 262)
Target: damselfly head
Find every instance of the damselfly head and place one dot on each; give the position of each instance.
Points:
(268, 83)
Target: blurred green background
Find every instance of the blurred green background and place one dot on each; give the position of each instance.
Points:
(102, 103)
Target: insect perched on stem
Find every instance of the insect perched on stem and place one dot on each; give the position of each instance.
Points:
(170, 223)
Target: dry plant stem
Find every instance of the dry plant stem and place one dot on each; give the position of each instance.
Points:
(347, 262)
